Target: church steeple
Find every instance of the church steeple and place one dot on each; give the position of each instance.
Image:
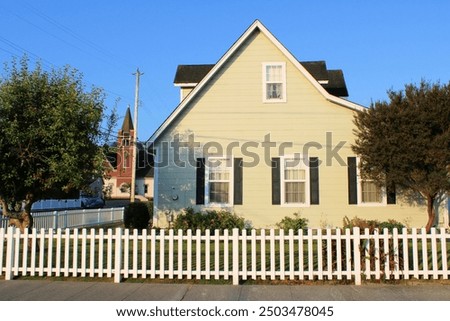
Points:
(127, 125)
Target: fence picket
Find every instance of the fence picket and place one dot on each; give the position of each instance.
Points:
(118, 255)
(217, 255)
(10, 253)
(189, 254)
(396, 257)
(237, 256)
(171, 247)
(153, 254)
(41, 267)
(319, 256)
(2, 247)
(83, 252)
(405, 253)
(329, 255)
(423, 233)
(272, 253)
(262, 239)
(253, 253)
(25, 252)
(50, 252)
(310, 254)
(198, 254)
(301, 256)
(144, 254)
(101, 238)
(244, 254)
(357, 255)
(109, 254)
(445, 269)
(226, 255)
(162, 258)
(415, 250)
(338, 254)
(434, 258)
(291, 254)
(135, 253)
(180, 254)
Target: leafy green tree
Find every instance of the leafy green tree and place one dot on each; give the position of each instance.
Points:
(49, 136)
(405, 142)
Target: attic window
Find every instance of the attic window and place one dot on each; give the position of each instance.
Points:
(274, 82)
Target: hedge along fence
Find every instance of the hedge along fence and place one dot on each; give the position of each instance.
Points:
(314, 254)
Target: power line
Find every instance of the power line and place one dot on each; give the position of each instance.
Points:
(70, 32)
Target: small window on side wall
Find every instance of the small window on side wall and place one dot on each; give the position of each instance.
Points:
(274, 82)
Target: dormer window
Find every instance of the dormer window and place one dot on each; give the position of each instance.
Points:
(274, 82)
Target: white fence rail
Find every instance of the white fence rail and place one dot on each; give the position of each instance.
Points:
(73, 218)
(237, 255)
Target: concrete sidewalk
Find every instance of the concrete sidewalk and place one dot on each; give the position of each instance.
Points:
(38, 290)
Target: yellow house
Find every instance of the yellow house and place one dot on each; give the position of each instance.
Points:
(265, 136)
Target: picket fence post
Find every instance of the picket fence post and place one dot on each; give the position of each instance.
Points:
(118, 255)
(235, 242)
(357, 255)
(10, 247)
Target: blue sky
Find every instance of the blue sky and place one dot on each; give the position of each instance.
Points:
(379, 45)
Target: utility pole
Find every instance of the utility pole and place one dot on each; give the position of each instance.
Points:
(135, 154)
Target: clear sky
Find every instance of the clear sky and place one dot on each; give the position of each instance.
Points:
(379, 45)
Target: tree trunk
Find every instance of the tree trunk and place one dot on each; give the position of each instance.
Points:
(431, 212)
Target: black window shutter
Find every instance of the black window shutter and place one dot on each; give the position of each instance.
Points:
(237, 181)
(352, 180)
(391, 195)
(314, 180)
(200, 182)
(276, 181)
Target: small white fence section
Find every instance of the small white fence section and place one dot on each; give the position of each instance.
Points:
(237, 255)
(73, 218)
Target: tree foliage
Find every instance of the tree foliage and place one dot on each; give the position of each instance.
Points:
(405, 142)
(49, 133)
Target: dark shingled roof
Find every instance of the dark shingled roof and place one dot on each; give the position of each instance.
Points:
(336, 83)
(317, 69)
(193, 74)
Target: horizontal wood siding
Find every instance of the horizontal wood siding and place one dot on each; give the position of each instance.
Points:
(230, 109)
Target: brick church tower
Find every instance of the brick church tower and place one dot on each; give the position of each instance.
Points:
(125, 147)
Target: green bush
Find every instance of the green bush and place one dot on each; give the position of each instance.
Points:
(211, 219)
(295, 223)
(137, 215)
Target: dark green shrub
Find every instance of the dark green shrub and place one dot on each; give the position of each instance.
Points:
(137, 215)
(295, 223)
(211, 219)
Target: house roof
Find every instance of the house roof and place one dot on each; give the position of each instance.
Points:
(191, 74)
(332, 80)
(256, 25)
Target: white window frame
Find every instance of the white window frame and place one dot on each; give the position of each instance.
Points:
(304, 164)
(360, 192)
(229, 162)
(265, 82)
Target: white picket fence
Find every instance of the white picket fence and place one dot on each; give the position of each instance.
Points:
(73, 218)
(330, 254)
